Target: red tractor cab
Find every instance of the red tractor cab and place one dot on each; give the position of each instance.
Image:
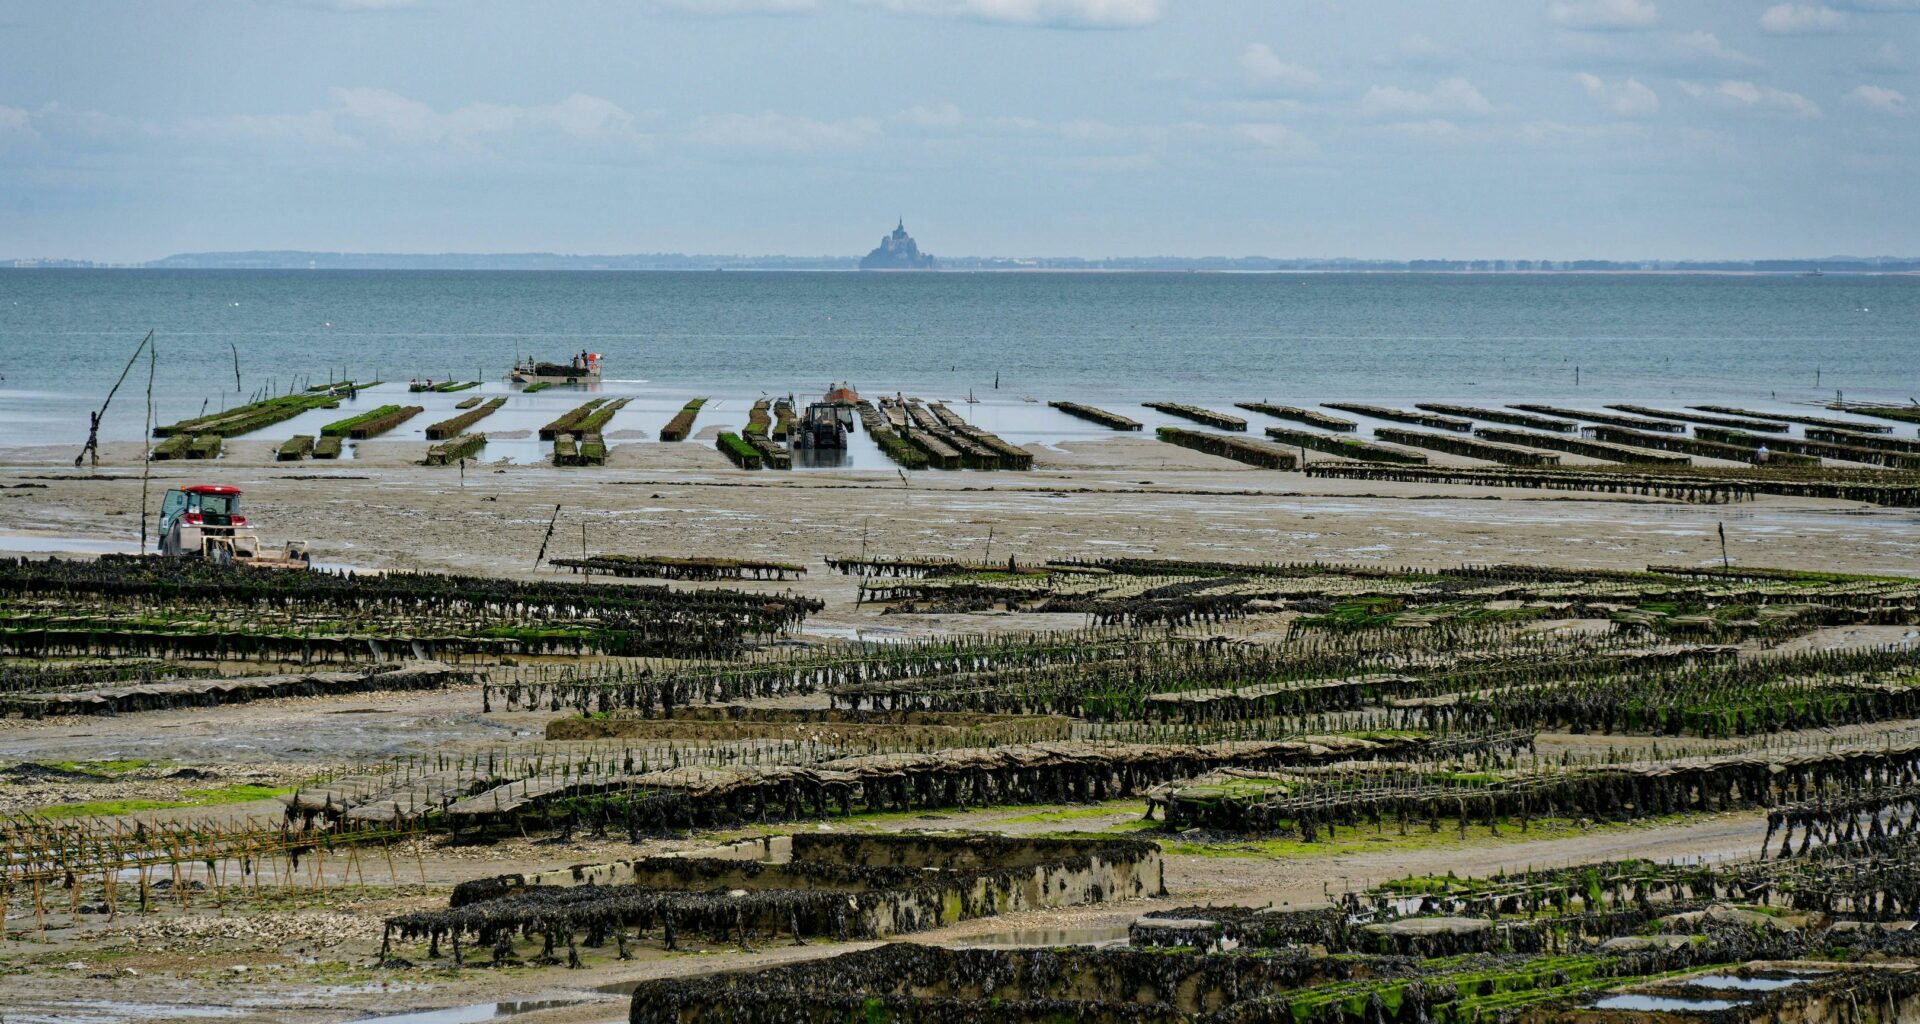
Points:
(204, 521)
(202, 505)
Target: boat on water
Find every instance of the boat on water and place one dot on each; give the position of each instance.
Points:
(579, 369)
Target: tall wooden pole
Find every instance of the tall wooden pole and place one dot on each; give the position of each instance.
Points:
(542, 556)
(92, 447)
(146, 439)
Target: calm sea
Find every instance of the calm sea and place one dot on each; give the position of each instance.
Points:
(1112, 338)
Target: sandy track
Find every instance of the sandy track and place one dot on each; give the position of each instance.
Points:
(1133, 503)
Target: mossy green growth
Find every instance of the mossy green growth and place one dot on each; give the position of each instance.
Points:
(736, 449)
(1349, 839)
(1002, 576)
(238, 793)
(1105, 810)
(115, 767)
(1380, 611)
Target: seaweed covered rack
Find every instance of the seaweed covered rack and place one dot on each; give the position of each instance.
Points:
(1316, 808)
(1155, 591)
(198, 690)
(794, 889)
(1762, 975)
(644, 798)
(681, 568)
(136, 606)
(1110, 420)
(1806, 937)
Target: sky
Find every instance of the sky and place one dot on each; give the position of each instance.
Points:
(1388, 129)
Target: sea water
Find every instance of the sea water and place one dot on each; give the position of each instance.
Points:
(1011, 340)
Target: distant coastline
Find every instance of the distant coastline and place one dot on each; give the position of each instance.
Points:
(306, 260)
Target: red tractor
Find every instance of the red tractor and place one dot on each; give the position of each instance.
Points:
(204, 521)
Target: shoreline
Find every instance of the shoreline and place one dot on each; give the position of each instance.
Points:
(17, 264)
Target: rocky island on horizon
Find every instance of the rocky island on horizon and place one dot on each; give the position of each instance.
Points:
(897, 251)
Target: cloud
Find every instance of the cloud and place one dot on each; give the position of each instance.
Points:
(1603, 14)
(1557, 134)
(728, 7)
(1277, 139)
(946, 121)
(352, 6)
(1038, 13)
(1887, 57)
(1704, 47)
(409, 120)
(1265, 71)
(784, 132)
(1748, 96)
(1419, 47)
(1418, 51)
(1625, 99)
(313, 128)
(15, 119)
(1687, 54)
(1801, 19)
(940, 115)
(1880, 98)
(1434, 128)
(1451, 96)
(364, 116)
(91, 128)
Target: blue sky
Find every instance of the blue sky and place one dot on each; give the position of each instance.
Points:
(1378, 128)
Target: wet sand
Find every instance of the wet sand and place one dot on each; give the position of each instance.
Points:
(1133, 497)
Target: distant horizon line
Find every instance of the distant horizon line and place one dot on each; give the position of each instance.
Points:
(309, 259)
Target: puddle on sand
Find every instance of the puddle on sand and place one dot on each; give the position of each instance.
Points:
(1103, 935)
(1733, 982)
(41, 544)
(867, 634)
(1663, 1004)
(105, 1011)
(767, 850)
(471, 1014)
